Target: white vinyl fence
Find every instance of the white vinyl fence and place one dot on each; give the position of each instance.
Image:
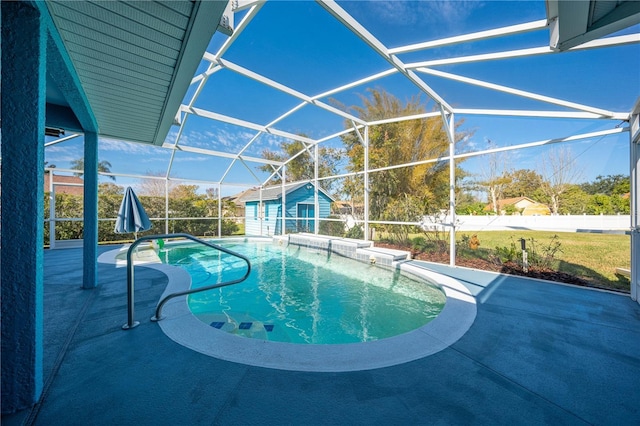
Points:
(560, 223)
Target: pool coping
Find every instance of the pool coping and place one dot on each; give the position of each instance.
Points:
(181, 326)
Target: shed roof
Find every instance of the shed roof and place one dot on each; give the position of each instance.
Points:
(275, 193)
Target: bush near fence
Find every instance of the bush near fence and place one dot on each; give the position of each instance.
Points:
(70, 206)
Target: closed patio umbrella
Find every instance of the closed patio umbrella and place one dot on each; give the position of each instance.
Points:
(131, 216)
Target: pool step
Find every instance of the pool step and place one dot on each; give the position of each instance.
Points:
(243, 325)
(382, 256)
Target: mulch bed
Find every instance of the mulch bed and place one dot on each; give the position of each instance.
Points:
(505, 268)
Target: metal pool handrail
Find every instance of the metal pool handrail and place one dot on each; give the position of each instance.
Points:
(131, 323)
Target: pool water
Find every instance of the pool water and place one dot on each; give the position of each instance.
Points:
(298, 295)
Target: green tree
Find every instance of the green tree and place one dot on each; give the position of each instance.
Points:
(302, 166)
(522, 183)
(621, 204)
(103, 167)
(599, 204)
(608, 185)
(109, 188)
(109, 200)
(423, 187)
(185, 202)
(574, 200)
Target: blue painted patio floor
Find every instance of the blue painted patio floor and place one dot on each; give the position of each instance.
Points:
(537, 353)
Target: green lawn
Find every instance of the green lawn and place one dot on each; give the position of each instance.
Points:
(593, 257)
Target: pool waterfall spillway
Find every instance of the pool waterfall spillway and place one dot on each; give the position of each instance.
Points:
(363, 251)
(131, 323)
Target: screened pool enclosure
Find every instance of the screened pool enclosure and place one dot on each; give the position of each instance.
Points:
(332, 94)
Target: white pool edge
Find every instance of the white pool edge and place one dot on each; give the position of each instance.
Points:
(181, 326)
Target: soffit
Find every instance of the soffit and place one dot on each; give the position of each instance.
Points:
(582, 21)
(135, 60)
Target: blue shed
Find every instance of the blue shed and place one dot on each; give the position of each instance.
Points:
(300, 207)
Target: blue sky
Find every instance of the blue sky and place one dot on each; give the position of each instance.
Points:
(301, 45)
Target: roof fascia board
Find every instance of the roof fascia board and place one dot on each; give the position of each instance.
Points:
(573, 27)
(274, 192)
(197, 39)
(61, 70)
(572, 21)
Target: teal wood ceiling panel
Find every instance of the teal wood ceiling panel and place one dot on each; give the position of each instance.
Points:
(133, 58)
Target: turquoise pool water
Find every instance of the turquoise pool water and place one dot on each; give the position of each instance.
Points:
(300, 296)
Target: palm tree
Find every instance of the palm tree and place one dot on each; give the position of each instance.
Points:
(103, 166)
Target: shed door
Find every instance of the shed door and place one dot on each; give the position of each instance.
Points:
(306, 214)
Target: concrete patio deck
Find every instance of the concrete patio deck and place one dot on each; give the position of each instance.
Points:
(537, 353)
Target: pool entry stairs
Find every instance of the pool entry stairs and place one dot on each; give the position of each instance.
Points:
(361, 250)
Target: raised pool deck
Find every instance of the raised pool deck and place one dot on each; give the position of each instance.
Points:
(537, 353)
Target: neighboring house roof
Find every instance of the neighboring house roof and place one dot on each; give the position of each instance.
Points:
(239, 198)
(520, 202)
(275, 193)
(61, 188)
(347, 205)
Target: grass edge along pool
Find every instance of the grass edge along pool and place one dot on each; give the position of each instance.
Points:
(303, 296)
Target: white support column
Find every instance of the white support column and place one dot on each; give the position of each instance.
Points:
(634, 136)
(449, 124)
(52, 212)
(260, 218)
(219, 210)
(166, 205)
(366, 183)
(452, 191)
(316, 204)
(284, 201)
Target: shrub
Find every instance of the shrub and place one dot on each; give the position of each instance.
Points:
(538, 256)
(335, 229)
(356, 232)
(545, 256)
(507, 254)
(419, 244)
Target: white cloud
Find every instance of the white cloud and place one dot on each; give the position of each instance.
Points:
(448, 12)
(112, 145)
(58, 154)
(191, 159)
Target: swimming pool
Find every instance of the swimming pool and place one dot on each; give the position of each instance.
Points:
(303, 296)
(183, 327)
